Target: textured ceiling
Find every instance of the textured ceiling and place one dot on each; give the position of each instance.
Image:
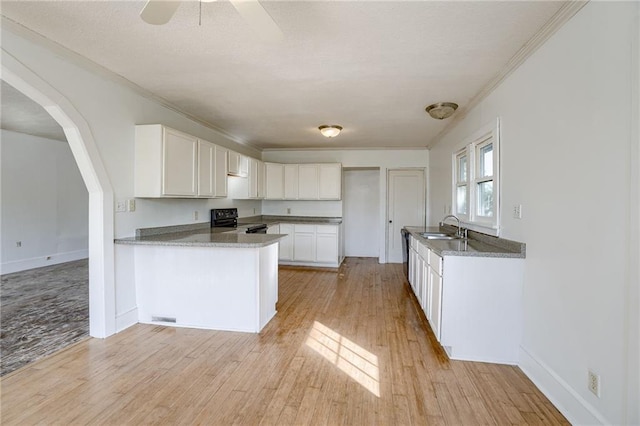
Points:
(369, 66)
(20, 114)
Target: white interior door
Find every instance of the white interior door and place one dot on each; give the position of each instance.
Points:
(405, 207)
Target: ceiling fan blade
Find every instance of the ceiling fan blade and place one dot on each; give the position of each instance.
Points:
(258, 19)
(158, 12)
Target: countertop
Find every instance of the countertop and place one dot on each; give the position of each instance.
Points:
(478, 245)
(204, 237)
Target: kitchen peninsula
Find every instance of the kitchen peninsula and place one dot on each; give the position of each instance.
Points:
(202, 277)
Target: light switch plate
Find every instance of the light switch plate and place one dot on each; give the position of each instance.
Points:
(131, 205)
(121, 206)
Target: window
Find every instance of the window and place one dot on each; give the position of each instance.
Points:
(462, 184)
(475, 185)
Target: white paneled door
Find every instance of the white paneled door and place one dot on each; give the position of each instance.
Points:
(405, 207)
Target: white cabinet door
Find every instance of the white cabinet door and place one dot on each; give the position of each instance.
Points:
(308, 181)
(426, 289)
(206, 169)
(179, 165)
(327, 243)
(274, 185)
(253, 178)
(290, 181)
(238, 164)
(330, 182)
(304, 243)
(221, 168)
(286, 244)
(436, 302)
(261, 179)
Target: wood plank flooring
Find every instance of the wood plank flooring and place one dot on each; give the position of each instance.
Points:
(346, 347)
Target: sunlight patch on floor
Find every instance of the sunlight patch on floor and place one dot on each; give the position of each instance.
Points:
(358, 363)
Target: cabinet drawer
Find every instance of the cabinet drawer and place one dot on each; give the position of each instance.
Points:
(326, 229)
(435, 262)
(413, 243)
(423, 251)
(305, 228)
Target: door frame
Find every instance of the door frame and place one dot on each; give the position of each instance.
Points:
(102, 308)
(386, 212)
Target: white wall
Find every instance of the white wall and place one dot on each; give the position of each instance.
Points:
(44, 203)
(112, 110)
(361, 200)
(373, 158)
(567, 156)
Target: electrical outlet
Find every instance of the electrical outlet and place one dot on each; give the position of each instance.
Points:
(195, 215)
(131, 205)
(288, 210)
(517, 211)
(121, 206)
(593, 383)
(254, 210)
(18, 243)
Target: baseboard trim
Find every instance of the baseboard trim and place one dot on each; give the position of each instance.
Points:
(41, 261)
(126, 319)
(574, 407)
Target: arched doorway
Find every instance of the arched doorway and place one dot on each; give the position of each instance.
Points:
(101, 232)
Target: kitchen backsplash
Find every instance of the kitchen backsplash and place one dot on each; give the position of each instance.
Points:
(302, 208)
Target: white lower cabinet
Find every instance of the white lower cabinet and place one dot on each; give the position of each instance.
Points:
(311, 245)
(286, 244)
(304, 243)
(326, 243)
(473, 304)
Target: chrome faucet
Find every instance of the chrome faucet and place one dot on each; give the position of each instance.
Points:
(459, 232)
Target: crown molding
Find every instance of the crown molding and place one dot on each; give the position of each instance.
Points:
(95, 68)
(566, 12)
(359, 148)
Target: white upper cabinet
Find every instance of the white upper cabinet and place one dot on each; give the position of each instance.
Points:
(166, 163)
(206, 169)
(256, 178)
(212, 170)
(274, 181)
(169, 163)
(308, 181)
(330, 181)
(303, 181)
(290, 181)
(221, 171)
(238, 164)
(261, 179)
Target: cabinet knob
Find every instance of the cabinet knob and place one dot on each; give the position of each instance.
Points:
(390, 221)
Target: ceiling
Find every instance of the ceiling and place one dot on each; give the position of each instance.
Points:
(21, 114)
(369, 66)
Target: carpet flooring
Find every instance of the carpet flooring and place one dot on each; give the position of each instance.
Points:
(42, 311)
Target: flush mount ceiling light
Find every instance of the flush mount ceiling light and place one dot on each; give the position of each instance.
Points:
(330, 131)
(441, 110)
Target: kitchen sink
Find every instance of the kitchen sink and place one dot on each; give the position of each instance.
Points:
(439, 236)
(435, 234)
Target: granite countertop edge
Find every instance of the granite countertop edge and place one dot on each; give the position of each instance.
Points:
(145, 242)
(497, 248)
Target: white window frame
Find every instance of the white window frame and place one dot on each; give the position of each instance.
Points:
(457, 183)
(488, 134)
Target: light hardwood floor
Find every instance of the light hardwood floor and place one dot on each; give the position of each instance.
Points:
(347, 347)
